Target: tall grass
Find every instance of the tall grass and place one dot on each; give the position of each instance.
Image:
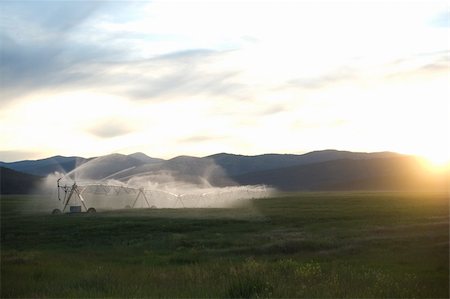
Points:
(309, 245)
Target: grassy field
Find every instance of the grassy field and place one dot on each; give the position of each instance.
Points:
(295, 245)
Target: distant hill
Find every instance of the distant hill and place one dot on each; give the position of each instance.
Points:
(14, 182)
(43, 167)
(391, 173)
(238, 164)
(319, 170)
(144, 158)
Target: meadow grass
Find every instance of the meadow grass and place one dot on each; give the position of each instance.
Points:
(332, 244)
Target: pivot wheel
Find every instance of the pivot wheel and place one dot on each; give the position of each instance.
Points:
(91, 210)
(56, 212)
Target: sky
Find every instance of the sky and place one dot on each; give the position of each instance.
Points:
(197, 78)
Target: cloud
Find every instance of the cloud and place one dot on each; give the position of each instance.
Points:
(169, 71)
(183, 82)
(321, 82)
(174, 75)
(31, 67)
(420, 66)
(440, 65)
(84, 45)
(55, 47)
(38, 50)
(52, 16)
(273, 109)
(200, 138)
(339, 75)
(18, 155)
(355, 72)
(110, 128)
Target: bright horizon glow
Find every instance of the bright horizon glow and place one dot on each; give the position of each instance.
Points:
(437, 158)
(198, 78)
(438, 161)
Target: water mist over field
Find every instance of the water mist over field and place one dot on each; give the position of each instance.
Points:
(117, 182)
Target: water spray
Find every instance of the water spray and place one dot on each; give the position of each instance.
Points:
(88, 196)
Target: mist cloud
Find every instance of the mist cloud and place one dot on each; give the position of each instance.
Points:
(184, 182)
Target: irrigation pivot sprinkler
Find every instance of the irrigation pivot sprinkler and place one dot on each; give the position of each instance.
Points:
(78, 197)
(141, 192)
(74, 191)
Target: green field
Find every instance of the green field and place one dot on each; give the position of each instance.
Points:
(295, 245)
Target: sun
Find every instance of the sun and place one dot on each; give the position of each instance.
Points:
(438, 159)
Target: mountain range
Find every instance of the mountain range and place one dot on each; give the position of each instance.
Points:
(314, 171)
(14, 182)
